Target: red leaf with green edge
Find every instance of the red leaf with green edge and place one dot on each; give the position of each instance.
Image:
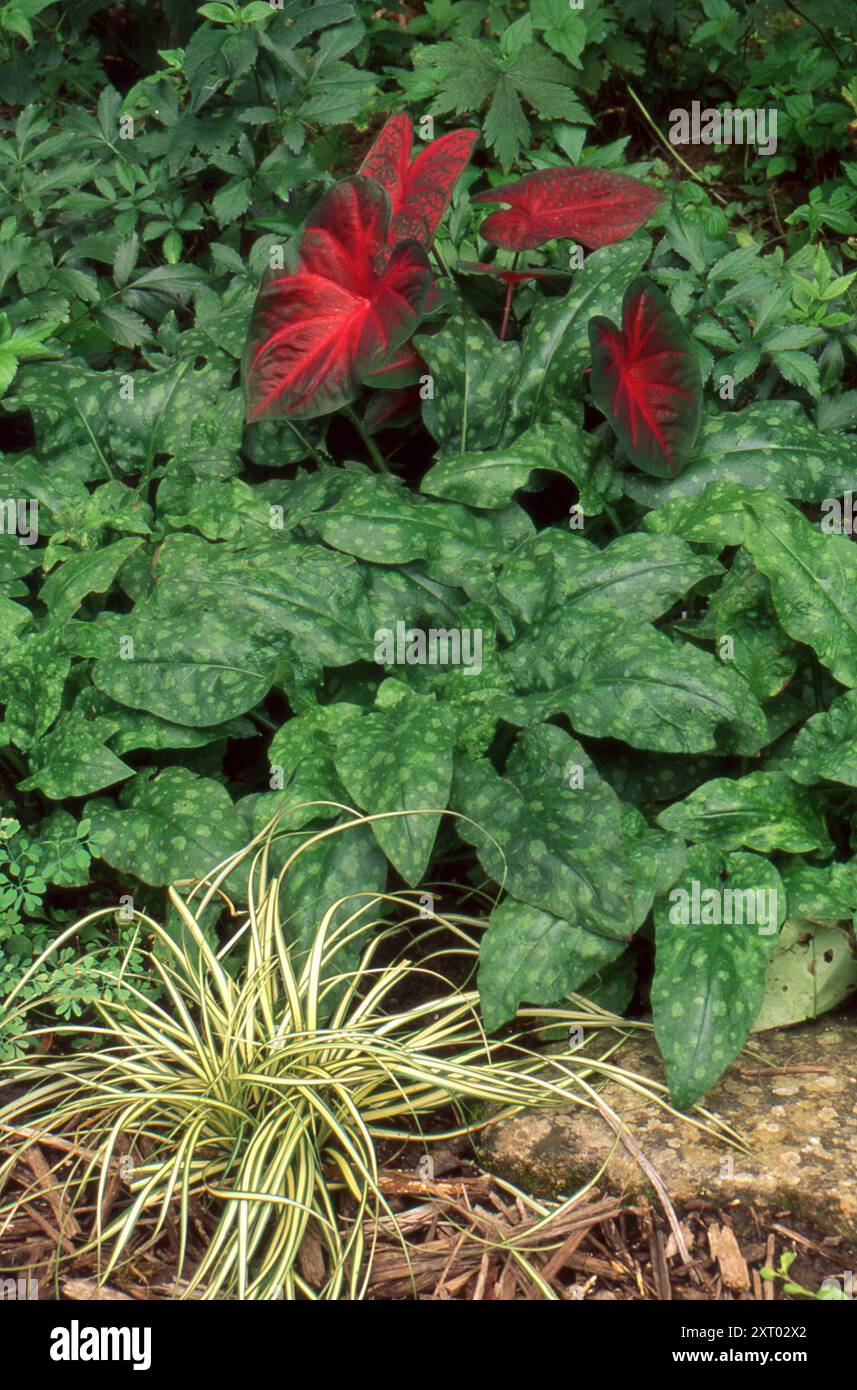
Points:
(419, 192)
(317, 333)
(645, 378)
(574, 203)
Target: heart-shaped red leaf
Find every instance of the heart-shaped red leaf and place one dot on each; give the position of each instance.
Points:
(645, 378)
(317, 333)
(419, 192)
(591, 206)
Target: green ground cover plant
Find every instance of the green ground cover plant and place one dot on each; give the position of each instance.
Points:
(520, 371)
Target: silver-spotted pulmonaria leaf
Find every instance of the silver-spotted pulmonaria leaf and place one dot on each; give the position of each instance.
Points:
(74, 760)
(221, 509)
(763, 811)
(770, 445)
(90, 573)
(813, 580)
(490, 478)
(16, 560)
(713, 936)
(195, 669)
(812, 970)
(471, 372)
(555, 347)
(530, 956)
(185, 410)
(747, 632)
(386, 524)
(301, 767)
(825, 749)
(821, 893)
(560, 843)
(630, 683)
(33, 673)
(172, 826)
(559, 573)
(282, 587)
(398, 758)
(714, 516)
(656, 857)
(341, 862)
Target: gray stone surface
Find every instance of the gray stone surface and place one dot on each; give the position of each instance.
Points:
(801, 1126)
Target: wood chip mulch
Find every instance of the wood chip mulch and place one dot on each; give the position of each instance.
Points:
(467, 1237)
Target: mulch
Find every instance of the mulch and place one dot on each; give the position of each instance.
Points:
(468, 1236)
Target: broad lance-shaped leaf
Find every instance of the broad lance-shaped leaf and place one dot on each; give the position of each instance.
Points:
(558, 828)
(490, 478)
(399, 758)
(471, 371)
(771, 445)
(712, 954)
(813, 580)
(591, 206)
(419, 191)
(646, 380)
(825, 749)
(532, 956)
(556, 574)
(315, 334)
(92, 572)
(555, 345)
(634, 684)
(171, 826)
(763, 811)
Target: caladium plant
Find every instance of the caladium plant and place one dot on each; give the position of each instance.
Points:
(419, 189)
(319, 331)
(646, 379)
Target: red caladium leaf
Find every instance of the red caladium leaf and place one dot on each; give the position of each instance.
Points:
(315, 334)
(646, 380)
(591, 206)
(419, 192)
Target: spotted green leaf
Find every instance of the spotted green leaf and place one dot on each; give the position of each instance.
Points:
(712, 954)
(530, 956)
(748, 633)
(813, 578)
(399, 758)
(763, 811)
(633, 684)
(171, 826)
(471, 372)
(770, 445)
(74, 760)
(90, 573)
(490, 478)
(560, 840)
(825, 749)
(558, 573)
(555, 346)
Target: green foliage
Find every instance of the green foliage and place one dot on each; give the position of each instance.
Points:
(666, 671)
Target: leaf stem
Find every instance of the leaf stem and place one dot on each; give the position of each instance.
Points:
(368, 442)
(671, 148)
(507, 307)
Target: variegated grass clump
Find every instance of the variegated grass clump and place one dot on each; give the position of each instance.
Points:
(257, 1095)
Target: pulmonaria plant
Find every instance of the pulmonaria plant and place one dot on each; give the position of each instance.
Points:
(623, 759)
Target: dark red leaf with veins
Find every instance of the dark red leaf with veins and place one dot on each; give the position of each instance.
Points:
(591, 206)
(419, 192)
(316, 334)
(645, 378)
